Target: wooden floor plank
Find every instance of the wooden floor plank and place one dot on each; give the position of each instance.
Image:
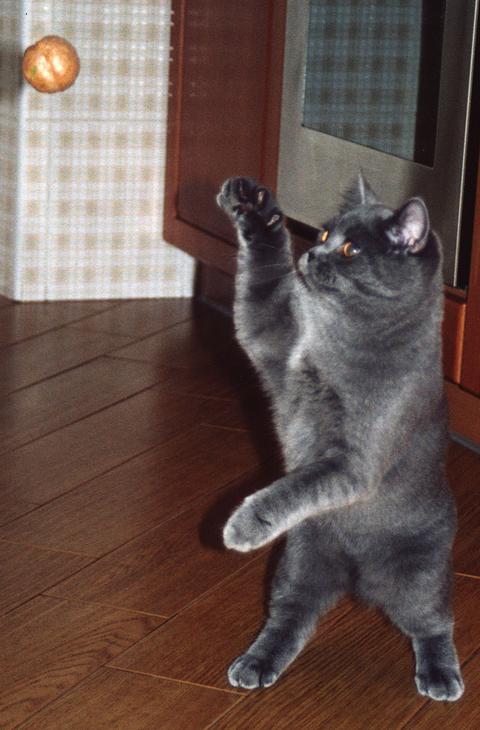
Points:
(29, 612)
(52, 652)
(58, 462)
(214, 379)
(198, 356)
(121, 459)
(464, 476)
(126, 701)
(193, 358)
(193, 341)
(461, 715)
(139, 318)
(205, 637)
(42, 357)
(26, 571)
(249, 411)
(168, 567)
(42, 408)
(207, 334)
(201, 641)
(356, 675)
(12, 507)
(112, 509)
(28, 320)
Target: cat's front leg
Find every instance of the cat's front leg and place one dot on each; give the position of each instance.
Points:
(272, 511)
(252, 525)
(265, 309)
(300, 494)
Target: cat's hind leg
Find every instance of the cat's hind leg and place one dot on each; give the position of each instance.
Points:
(423, 614)
(305, 586)
(418, 602)
(438, 673)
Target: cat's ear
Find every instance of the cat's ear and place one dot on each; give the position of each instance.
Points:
(409, 227)
(359, 193)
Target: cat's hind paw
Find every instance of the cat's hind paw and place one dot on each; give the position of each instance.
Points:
(440, 684)
(250, 672)
(251, 206)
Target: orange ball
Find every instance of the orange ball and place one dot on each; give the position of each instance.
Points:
(51, 64)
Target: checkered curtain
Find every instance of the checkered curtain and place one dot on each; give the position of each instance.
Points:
(82, 172)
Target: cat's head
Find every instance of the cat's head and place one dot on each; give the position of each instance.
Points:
(370, 253)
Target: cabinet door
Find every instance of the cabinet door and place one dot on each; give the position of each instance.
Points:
(224, 112)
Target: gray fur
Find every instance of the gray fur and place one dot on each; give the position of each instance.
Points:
(349, 351)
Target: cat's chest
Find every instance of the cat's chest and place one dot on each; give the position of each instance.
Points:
(324, 400)
(298, 354)
(308, 412)
(311, 348)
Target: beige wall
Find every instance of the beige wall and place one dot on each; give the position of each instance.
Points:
(91, 159)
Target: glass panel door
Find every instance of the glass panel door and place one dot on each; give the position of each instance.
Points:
(373, 71)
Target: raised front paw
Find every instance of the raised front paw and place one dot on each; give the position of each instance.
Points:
(249, 527)
(252, 207)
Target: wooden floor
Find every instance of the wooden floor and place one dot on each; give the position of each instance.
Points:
(128, 433)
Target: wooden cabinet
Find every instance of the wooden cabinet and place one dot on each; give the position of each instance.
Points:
(224, 112)
(224, 120)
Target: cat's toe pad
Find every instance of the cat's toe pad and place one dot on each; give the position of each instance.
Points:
(442, 685)
(250, 672)
(249, 204)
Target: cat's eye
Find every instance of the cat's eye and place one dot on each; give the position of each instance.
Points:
(324, 235)
(348, 249)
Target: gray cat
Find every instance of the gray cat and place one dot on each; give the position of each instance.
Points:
(347, 345)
